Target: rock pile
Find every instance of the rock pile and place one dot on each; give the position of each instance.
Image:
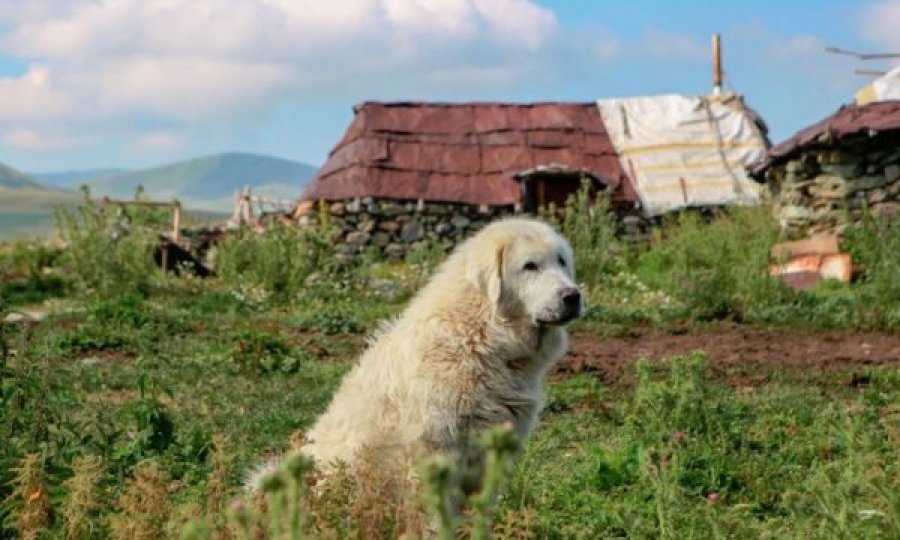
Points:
(826, 187)
(394, 227)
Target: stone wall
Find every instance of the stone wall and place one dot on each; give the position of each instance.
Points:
(826, 187)
(393, 227)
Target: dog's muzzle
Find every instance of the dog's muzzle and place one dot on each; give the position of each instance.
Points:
(569, 309)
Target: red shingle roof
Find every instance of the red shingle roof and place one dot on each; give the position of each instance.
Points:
(463, 152)
(882, 116)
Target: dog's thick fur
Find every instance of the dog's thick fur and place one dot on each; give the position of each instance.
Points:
(470, 351)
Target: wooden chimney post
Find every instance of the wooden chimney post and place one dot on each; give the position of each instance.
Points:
(176, 221)
(717, 64)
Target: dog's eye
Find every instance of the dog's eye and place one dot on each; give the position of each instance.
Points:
(530, 266)
(562, 262)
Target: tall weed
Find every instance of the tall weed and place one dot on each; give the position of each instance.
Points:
(26, 272)
(590, 226)
(366, 503)
(717, 269)
(874, 243)
(107, 253)
(143, 506)
(82, 502)
(275, 264)
(31, 497)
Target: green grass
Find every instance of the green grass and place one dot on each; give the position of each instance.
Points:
(678, 455)
(681, 456)
(173, 387)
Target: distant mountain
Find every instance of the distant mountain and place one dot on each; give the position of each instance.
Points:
(73, 179)
(209, 183)
(13, 179)
(26, 205)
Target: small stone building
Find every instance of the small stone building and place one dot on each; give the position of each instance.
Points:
(828, 174)
(404, 172)
(410, 171)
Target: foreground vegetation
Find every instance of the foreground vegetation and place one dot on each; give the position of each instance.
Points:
(135, 407)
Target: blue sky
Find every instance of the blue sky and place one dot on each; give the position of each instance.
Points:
(134, 83)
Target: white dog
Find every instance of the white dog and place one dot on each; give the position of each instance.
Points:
(471, 351)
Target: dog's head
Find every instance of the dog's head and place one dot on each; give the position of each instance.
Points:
(526, 270)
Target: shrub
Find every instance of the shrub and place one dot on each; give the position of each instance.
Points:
(369, 504)
(30, 494)
(719, 269)
(82, 501)
(107, 254)
(143, 507)
(874, 243)
(682, 409)
(24, 276)
(152, 429)
(274, 265)
(590, 226)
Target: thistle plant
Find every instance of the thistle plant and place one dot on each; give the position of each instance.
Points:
(30, 493)
(82, 502)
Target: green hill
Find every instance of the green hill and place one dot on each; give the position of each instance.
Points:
(73, 179)
(13, 179)
(209, 183)
(26, 205)
(29, 212)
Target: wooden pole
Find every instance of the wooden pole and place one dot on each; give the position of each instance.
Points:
(717, 64)
(176, 222)
(122, 202)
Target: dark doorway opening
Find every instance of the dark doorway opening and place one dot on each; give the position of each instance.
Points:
(546, 186)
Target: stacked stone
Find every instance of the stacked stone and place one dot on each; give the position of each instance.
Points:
(823, 189)
(394, 227)
(632, 227)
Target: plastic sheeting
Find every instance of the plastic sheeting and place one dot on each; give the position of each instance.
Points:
(685, 151)
(884, 88)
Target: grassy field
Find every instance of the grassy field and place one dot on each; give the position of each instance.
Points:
(135, 409)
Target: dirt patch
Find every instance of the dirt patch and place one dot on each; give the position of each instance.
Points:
(741, 356)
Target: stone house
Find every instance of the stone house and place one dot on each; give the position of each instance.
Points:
(410, 171)
(828, 174)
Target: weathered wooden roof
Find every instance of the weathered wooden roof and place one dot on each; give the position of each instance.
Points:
(464, 152)
(870, 119)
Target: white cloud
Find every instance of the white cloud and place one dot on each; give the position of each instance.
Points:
(662, 44)
(880, 25)
(799, 46)
(144, 74)
(605, 48)
(187, 87)
(517, 21)
(30, 139)
(157, 141)
(102, 60)
(804, 57)
(34, 95)
(18, 11)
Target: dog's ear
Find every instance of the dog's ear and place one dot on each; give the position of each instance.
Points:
(486, 271)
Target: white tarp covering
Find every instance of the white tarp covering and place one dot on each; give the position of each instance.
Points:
(684, 151)
(883, 88)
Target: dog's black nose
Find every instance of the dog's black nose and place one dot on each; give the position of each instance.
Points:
(571, 297)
